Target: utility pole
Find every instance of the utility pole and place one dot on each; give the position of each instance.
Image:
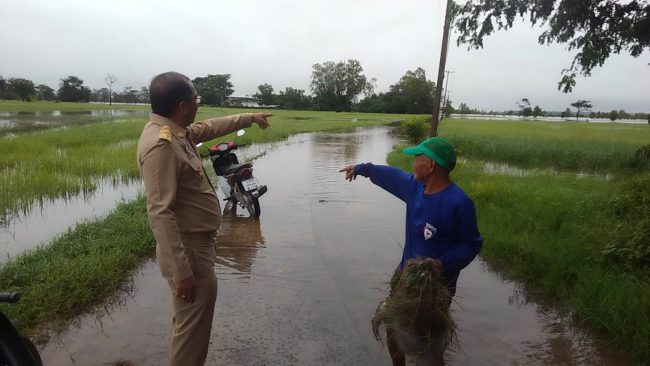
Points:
(441, 72)
(446, 100)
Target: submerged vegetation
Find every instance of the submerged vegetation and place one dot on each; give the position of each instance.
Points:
(578, 242)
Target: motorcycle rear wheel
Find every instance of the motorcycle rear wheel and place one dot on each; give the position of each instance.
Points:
(247, 201)
(253, 205)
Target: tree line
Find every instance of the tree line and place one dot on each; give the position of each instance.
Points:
(335, 86)
(582, 108)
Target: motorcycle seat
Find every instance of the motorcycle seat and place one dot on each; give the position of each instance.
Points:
(230, 169)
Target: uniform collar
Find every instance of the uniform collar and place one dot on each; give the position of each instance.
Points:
(159, 120)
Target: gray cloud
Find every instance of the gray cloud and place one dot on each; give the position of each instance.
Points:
(277, 42)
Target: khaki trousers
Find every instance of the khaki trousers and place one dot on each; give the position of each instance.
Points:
(192, 322)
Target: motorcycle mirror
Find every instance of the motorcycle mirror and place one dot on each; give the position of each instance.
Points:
(240, 132)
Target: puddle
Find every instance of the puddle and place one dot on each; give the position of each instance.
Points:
(301, 285)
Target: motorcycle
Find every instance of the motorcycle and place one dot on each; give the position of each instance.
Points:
(15, 349)
(236, 180)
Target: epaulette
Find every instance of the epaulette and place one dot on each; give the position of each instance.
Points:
(165, 134)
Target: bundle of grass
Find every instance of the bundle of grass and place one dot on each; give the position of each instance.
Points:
(416, 312)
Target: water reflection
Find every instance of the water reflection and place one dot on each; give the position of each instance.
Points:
(499, 323)
(238, 241)
(332, 148)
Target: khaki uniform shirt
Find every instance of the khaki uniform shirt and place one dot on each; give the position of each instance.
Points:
(180, 198)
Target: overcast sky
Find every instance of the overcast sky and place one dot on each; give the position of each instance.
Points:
(278, 41)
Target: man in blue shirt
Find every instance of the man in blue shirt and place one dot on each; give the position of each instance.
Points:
(440, 217)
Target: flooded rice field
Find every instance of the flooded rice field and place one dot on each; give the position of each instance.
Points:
(300, 286)
(43, 221)
(14, 122)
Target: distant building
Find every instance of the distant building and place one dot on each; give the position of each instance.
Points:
(243, 101)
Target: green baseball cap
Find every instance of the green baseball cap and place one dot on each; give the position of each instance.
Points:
(437, 149)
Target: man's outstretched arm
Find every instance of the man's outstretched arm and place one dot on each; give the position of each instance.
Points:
(395, 181)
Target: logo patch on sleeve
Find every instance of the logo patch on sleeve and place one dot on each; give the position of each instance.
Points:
(429, 231)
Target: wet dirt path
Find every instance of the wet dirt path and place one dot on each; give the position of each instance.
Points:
(299, 286)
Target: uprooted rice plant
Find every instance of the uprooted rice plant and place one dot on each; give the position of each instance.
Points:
(416, 311)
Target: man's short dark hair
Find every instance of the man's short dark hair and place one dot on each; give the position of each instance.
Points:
(167, 90)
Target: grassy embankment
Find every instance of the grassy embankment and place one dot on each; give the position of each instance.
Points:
(579, 242)
(87, 264)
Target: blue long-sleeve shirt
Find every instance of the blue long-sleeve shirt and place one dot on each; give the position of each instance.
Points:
(441, 225)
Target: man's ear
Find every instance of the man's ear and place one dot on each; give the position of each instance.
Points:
(182, 107)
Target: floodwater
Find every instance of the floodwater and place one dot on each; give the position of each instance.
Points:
(13, 122)
(43, 221)
(300, 286)
(499, 117)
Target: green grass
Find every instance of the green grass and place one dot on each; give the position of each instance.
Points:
(588, 147)
(79, 269)
(582, 244)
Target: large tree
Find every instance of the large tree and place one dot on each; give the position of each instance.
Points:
(44, 92)
(71, 89)
(595, 28)
(214, 88)
(294, 99)
(414, 92)
(265, 94)
(23, 89)
(143, 95)
(524, 106)
(337, 85)
(581, 105)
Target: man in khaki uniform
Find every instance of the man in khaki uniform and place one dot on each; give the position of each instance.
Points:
(183, 209)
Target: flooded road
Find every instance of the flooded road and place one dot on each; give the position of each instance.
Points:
(300, 286)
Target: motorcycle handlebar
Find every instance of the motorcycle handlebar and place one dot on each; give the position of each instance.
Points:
(11, 297)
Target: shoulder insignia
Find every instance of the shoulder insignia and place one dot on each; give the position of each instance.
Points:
(165, 133)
